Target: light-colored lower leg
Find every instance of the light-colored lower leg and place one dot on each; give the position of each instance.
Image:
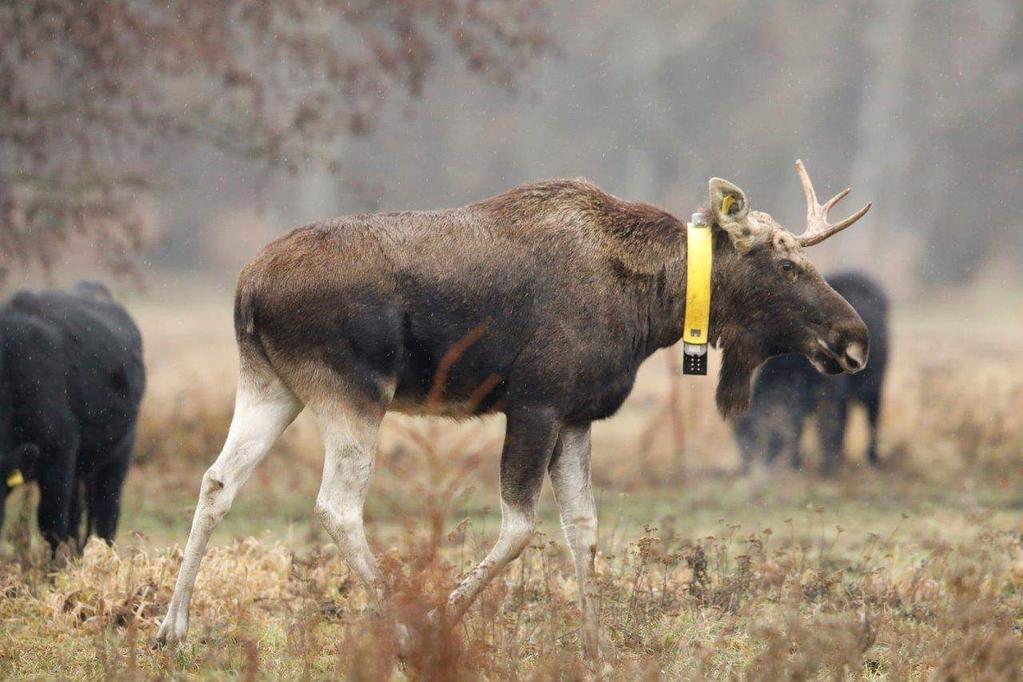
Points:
(517, 525)
(349, 438)
(570, 478)
(529, 441)
(263, 409)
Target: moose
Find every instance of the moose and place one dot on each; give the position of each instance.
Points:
(788, 390)
(71, 380)
(562, 291)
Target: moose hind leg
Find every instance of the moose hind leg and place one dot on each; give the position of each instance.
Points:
(349, 430)
(529, 441)
(264, 407)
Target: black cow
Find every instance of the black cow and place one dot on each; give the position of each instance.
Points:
(788, 390)
(71, 379)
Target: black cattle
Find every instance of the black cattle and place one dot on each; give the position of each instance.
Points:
(788, 390)
(71, 379)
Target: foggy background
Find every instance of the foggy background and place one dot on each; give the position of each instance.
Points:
(916, 105)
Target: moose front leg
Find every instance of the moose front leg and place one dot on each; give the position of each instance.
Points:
(529, 441)
(570, 478)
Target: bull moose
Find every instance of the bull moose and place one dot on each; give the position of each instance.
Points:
(788, 390)
(562, 290)
(71, 380)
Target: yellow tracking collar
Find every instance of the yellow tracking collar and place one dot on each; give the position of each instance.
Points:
(699, 261)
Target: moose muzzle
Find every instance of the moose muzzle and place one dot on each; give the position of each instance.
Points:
(844, 349)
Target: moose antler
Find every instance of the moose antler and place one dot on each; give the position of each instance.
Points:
(817, 226)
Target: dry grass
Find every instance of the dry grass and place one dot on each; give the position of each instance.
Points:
(756, 605)
(911, 572)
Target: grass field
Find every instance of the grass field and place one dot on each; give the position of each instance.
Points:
(913, 571)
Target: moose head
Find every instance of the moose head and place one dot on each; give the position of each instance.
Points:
(772, 300)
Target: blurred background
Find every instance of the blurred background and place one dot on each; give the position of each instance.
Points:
(179, 139)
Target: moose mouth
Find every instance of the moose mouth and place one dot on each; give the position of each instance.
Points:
(828, 361)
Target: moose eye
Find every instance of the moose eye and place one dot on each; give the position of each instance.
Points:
(787, 265)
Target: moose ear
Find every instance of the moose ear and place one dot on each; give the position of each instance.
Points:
(730, 207)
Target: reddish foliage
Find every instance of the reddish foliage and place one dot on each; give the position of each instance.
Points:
(89, 89)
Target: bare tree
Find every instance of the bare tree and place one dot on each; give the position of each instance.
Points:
(91, 91)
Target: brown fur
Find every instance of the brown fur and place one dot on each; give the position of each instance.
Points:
(540, 303)
(568, 281)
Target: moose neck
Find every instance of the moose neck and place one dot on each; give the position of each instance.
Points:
(665, 295)
(734, 302)
(664, 298)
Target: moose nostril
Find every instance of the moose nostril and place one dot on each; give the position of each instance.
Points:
(855, 356)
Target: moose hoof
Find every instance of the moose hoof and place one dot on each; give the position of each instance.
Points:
(411, 638)
(421, 633)
(172, 631)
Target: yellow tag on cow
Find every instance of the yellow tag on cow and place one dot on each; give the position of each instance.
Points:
(15, 479)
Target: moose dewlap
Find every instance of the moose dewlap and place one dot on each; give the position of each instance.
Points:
(540, 303)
